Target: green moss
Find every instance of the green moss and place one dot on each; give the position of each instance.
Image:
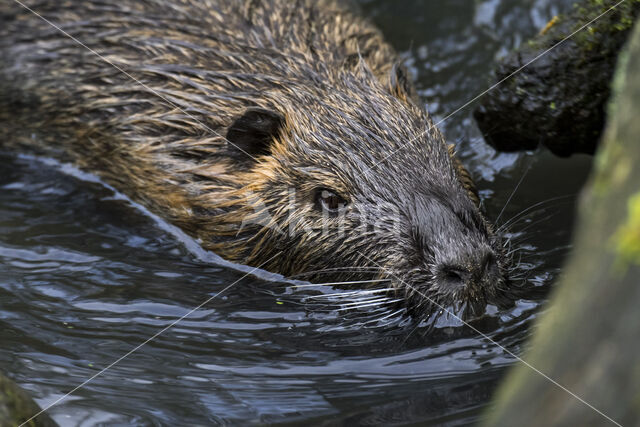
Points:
(626, 240)
(605, 21)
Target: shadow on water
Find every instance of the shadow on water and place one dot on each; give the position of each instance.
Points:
(84, 278)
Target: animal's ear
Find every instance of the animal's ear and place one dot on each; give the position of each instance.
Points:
(400, 83)
(252, 134)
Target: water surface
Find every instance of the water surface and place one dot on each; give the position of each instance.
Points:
(85, 277)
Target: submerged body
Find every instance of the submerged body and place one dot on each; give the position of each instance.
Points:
(279, 134)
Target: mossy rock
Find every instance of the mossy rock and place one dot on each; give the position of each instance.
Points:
(587, 340)
(16, 407)
(559, 100)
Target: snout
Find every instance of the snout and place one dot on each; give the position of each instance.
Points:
(477, 269)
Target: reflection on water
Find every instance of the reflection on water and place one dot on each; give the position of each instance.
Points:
(85, 277)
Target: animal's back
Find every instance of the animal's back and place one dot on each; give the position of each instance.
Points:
(144, 92)
(255, 44)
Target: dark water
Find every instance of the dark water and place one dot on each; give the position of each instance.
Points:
(85, 277)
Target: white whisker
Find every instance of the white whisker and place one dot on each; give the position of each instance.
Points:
(352, 293)
(522, 212)
(341, 283)
(354, 306)
(354, 269)
(526, 171)
(366, 300)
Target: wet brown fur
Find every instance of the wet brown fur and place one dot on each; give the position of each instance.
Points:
(345, 101)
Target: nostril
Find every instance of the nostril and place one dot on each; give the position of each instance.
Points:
(487, 263)
(479, 268)
(455, 276)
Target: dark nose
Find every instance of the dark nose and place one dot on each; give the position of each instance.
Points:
(477, 269)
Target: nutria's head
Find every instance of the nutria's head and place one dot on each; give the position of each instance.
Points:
(356, 181)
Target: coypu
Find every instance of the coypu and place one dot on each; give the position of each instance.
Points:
(272, 132)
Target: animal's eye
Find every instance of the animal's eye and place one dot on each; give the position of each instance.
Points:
(329, 201)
